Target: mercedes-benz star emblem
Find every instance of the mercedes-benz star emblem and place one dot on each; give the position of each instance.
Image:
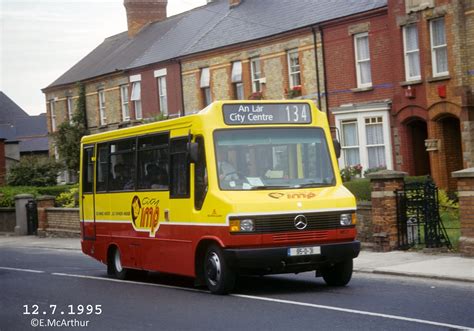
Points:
(301, 222)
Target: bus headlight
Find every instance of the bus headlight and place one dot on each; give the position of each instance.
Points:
(245, 225)
(348, 219)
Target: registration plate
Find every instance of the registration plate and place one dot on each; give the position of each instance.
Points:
(299, 251)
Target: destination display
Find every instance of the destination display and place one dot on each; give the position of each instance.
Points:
(251, 114)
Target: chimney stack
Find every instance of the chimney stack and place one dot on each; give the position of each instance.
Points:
(3, 163)
(234, 3)
(142, 12)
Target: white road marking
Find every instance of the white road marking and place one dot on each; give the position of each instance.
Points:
(24, 270)
(128, 281)
(251, 297)
(352, 311)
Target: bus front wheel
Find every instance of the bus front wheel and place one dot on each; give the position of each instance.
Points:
(338, 274)
(220, 279)
(115, 267)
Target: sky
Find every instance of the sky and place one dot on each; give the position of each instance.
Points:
(42, 39)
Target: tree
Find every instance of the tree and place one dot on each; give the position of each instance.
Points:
(69, 134)
(34, 171)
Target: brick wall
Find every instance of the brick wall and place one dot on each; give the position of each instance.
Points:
(365, 229)
(149, 86)
(113, 106)
(274, 67)
(465, 182)
(63, 222)
(7, 219)
(340, 59)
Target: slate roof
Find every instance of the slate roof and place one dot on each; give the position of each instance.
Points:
(17, 125)
(9, 110)
(208, 27)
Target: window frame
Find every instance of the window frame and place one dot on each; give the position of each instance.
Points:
(102, 114)
(291, 74)
(359, 61)
(52, 110)
(125, 102)
(343, 145)
(70, 111)
(137, 102)
(407, 52)
(162, 98)
(256, 75)
(434, 48)
(360, 115)
(205, 85)
(237, 80)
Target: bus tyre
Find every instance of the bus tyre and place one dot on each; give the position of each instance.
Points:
(115, 267)
(338, 274)
(220, 279)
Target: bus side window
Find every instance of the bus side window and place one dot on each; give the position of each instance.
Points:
(200, 175)
(153, 162)
(102, 167)
(122, 165)
(87, 169)
(179, 168)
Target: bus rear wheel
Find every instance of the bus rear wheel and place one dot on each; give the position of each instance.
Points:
(338, 274)
(114, 265)
(220, 278)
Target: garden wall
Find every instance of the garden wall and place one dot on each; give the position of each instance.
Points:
(364, 222)
(61, 222)
(7, 219)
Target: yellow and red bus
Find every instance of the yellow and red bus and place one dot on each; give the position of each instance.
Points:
(242, 187)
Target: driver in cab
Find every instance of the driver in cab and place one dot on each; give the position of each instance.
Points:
(226, 170)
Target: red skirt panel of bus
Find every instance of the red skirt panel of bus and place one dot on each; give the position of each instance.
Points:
(172, 250)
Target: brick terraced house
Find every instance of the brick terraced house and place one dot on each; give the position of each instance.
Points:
(396, 77)
(405, 100)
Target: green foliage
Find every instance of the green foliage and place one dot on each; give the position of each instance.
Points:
(372, 170)
(360, 188)
(34, 171)
(69, 199)
(68, 135)
(157, 118)
(350, 172)
(54, 190)
(7, 194)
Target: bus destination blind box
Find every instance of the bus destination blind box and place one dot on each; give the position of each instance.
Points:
(252, 114)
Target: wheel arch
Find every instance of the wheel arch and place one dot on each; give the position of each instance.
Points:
(199, 254)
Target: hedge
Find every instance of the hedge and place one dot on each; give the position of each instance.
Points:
(7, 193)
(361, 187)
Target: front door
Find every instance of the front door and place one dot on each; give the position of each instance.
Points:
(88, 201)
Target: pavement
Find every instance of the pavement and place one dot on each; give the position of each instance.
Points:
(443, 266)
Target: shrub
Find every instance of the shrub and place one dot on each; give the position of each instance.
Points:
(372, 170)
(360, 188)
(34, 171)
(54, 190)
(7, 194)
(69, 199)
(351, 172)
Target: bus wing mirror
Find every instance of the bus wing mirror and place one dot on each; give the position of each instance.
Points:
(337, 147)
(193, 152)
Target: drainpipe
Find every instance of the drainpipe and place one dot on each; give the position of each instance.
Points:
(324, 77)
(182, 90)
(317, 65)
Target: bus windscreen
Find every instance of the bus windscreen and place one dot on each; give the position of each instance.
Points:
(253, 159)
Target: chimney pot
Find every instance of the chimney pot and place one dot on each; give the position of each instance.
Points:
(142, 12)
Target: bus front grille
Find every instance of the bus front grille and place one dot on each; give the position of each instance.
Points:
(286, 223)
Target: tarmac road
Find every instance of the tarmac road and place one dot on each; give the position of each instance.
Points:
(42, 280)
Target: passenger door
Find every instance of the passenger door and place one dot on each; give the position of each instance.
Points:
(87, 193)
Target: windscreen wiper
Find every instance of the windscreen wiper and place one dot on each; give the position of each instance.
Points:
(267, 187)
